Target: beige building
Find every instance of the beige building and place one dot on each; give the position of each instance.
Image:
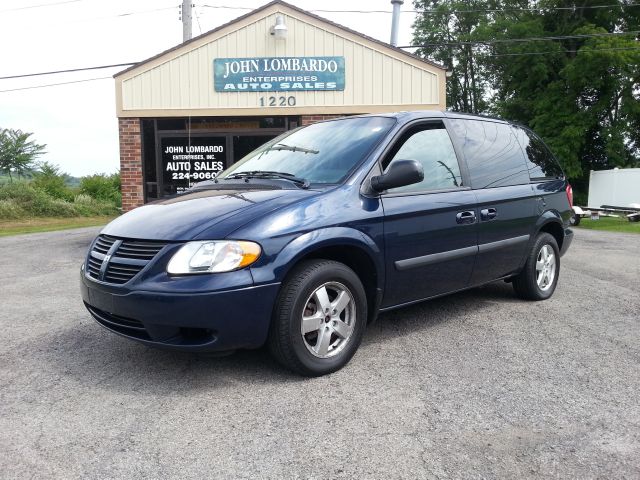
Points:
(193, 110)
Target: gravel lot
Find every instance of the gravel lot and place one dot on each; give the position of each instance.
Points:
(475, 385)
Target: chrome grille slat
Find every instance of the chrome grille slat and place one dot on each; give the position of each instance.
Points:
(133, 246)
(93, 267)
(128, 259)
(103, 243)
(138, 251)
(123, 269)
(135, 255)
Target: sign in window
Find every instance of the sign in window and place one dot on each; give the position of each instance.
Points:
(186, 161)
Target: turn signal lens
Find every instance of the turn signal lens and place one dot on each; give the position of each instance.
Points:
(213, 257)
(250, 253)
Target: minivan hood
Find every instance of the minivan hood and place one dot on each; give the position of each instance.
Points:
(201, 214)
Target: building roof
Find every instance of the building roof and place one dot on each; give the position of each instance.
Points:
(292, 7)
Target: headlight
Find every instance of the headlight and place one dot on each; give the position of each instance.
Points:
(213, 256)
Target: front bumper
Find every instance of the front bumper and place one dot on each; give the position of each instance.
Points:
(201, 322)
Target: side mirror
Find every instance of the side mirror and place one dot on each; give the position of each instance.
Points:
(399, 174)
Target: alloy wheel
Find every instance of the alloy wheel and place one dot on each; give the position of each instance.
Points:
(328, 320)
(545, 268)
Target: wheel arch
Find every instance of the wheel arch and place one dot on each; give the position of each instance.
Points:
(345, 245)
(551, 222)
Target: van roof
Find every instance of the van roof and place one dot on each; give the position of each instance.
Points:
(418, 114)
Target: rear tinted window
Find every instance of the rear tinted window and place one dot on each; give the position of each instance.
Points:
(493, 154)
(540, 161)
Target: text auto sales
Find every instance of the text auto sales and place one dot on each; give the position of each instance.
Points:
(278, 81)
(194, 153)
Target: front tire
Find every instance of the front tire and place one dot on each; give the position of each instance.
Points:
(319, 318)
(539, 277)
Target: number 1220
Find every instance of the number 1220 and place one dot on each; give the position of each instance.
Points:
(278, 101)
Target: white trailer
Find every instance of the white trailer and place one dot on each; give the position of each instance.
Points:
(612, 193)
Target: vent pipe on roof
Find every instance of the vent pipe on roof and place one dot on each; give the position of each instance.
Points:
(395, 19)
(185, 16)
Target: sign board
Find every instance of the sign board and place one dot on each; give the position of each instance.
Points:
(186, 161)
(278, 74)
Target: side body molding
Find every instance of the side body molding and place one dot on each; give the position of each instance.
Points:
(408, 263)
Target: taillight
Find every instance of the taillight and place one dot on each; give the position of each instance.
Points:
(570, 195)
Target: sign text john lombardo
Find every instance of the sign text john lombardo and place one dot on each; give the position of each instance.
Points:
(278, 74)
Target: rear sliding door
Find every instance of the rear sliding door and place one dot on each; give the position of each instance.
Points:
(505, 199)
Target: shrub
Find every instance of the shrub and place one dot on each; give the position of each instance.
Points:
(21, 200)
(50, 180)
(10, 210)
(89, 206)
(102, 187)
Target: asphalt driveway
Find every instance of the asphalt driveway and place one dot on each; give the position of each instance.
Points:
(475, 385)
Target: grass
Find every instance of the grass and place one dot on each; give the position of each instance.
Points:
(610, 224)
(49, 224)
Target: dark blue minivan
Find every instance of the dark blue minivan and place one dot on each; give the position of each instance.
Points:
(304, 241)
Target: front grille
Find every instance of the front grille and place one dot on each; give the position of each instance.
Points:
(128, 258)
(103, 244)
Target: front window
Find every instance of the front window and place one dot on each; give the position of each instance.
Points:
(321, 153)
(431, 146)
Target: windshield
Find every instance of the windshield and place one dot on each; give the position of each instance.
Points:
(320, 153)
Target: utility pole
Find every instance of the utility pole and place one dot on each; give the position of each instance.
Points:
(185, 15)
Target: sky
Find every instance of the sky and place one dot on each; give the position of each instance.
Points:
(78, 121)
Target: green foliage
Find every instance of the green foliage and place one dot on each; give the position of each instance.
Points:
(50, 180)
(102, 187)
(440, 31)
(17, 153)
(581, 94)
(50, 193)
(611, 224)
(22, 200)
(10, 210)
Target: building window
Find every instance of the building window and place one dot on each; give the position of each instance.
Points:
(179, 152)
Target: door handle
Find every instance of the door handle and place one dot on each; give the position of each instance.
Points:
(466, 217)
(488, 213)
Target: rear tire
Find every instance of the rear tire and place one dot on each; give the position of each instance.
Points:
(574, 221)
(319, 318)
(539, 277)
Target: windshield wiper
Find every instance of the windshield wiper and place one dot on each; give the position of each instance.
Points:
(293, 148)
(304, 183)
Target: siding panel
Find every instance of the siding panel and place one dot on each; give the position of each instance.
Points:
(373, 77)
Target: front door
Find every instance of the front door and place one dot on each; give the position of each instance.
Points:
(430, 228)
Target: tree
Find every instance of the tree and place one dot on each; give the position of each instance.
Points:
(580, 90)
(445, 32)
(18, 154)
